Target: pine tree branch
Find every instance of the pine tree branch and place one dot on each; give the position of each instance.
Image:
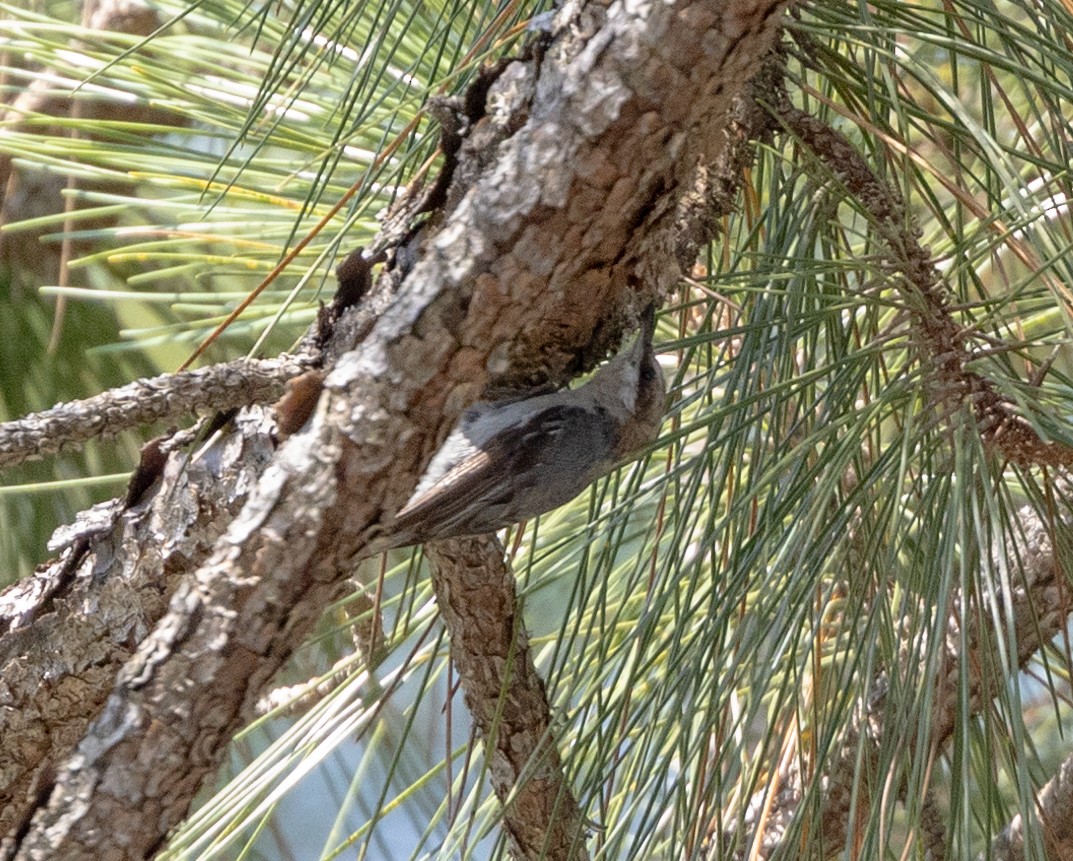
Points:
(59, 662)
(942, 340)
(505, 694)
(1038, 608)
(1039, 598)
(164, 398)
(1055, 816)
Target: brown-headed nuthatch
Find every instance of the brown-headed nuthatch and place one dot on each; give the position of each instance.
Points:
(509, 461)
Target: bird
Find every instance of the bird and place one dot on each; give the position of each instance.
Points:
(509, 461)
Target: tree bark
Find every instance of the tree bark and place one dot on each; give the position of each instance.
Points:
(475, 592)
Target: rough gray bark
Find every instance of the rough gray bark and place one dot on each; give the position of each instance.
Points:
(69, 629)
(170, 396)
(505, 695)
(1056, 815)
(571, 213)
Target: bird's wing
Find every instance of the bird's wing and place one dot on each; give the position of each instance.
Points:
(492, 486)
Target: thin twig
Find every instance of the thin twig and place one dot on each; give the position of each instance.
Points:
(169, 396)
(943, 340)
